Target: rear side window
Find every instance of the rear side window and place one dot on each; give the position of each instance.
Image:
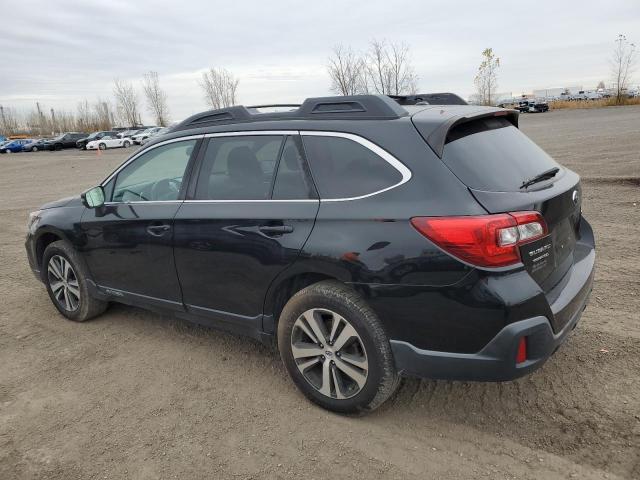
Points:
(239, 168)
(292, 180)
(493, 155)
(343, 168)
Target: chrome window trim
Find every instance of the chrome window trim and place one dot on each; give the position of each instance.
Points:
(251, 133)
(142, 202)
(267, 200)
(390, 159)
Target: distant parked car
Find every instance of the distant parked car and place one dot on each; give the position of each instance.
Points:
(532, 106)
(34, 145)
(82, 143)
(144, 135)
(115, 141)
(162, 131)
(14, 146)
(2, 139)
(131, 133)
(66, 140)
(581, 95)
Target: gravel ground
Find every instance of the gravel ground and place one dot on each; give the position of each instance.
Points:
(133, 394)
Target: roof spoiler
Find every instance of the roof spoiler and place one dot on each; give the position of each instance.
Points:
(438, 137)
(444, 98)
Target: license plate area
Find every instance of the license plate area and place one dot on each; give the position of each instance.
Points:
(539, 257)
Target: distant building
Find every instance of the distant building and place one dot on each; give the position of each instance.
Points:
(549, 92)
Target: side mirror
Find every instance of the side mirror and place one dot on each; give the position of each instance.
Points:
(93, 198)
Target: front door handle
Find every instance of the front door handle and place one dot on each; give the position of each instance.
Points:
(275, 229)
(158, 230)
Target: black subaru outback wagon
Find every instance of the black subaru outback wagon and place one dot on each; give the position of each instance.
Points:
(367, 238)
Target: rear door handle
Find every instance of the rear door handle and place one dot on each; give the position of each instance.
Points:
(158, 230)
(275, 229)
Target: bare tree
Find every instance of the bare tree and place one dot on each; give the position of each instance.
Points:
(156, 98)
(486, 79)
(66, 121)
(84, 121)
(347, 71)
(622, 65)
(10, 121)
(126, 102)
(220, 88)
(102, 115)
(389, 70)
(601, 85)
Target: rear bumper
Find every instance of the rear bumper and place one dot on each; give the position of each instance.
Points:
(496, 361)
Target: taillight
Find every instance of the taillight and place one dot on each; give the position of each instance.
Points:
(483, 240)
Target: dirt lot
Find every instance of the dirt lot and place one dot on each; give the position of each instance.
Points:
(136, 395)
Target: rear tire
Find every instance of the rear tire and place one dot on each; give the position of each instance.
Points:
(352, 376)
(34, 149)
(65, 276)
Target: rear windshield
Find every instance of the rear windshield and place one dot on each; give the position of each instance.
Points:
(491, 154)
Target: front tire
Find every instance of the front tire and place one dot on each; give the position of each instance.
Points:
(126, 144)
(335, 349)
(34, 149)
(65, 276)
(57, 147)
(102, 146)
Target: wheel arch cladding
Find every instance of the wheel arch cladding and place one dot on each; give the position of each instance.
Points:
(282, 290)
(43, 241)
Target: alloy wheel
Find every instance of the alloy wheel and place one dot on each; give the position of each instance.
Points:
(329, 353)
(63, 283)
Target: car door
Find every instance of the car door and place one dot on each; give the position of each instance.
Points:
(129, 240)
(247, 215)
(111, 142)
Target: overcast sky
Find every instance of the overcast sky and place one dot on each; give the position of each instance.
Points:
(58, 52)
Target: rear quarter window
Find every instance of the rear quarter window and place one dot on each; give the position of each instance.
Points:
(492, 155)
(344, 168)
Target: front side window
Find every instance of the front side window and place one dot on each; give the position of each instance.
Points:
(344, 168)
(239, 168)
(155, 175)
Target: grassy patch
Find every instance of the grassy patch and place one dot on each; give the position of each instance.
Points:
(603, 102)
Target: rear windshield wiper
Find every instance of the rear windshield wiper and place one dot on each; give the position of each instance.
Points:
(547, 174)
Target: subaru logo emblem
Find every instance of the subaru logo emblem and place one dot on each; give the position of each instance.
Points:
(574, 197)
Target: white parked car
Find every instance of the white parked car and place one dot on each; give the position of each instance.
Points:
(109, 142)
(162, 131)
(144, 135)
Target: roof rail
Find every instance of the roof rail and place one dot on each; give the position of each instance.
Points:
(353, 107)
(429, 99)
(282, 105)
